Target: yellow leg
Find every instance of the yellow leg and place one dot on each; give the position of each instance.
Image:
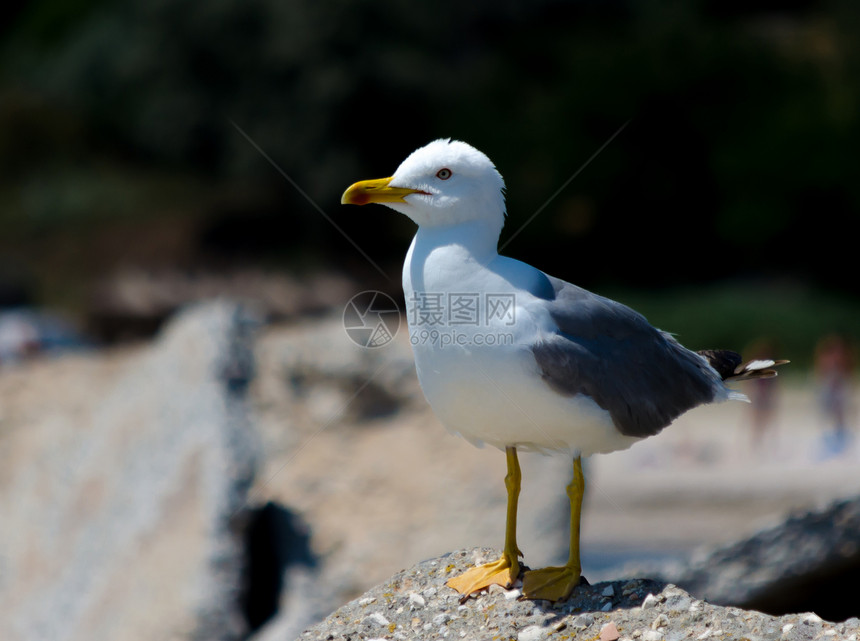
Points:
(505, 570)
(556, 584)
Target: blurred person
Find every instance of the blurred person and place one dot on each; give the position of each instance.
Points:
(834, 366)
(19, 337)
(763, 400)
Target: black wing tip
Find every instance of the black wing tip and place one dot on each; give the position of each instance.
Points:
(730, 366)
(724, 361)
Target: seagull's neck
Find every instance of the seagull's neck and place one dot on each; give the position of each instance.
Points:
(443, 256)
(478, 238)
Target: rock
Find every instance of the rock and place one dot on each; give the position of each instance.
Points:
(662, 621)
(609, 632)
(283, 576)
(808, 562)
(532, 633)
(678, 600)
(649, 602)
(583, 620)
(441, 619)
(492, 615)
(376, 619)
(513, 594)
(124, 510)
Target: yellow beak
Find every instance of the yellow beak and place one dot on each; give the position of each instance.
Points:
(376, 191)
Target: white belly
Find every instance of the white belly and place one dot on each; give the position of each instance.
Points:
(495, 395)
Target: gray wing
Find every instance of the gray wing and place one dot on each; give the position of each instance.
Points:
(642, 376)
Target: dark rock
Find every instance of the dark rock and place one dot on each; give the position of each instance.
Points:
(810, 562)
(277, 541)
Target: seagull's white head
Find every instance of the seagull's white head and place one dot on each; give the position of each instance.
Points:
(444, 183)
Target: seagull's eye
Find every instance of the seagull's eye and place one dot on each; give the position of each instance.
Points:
(443, 174)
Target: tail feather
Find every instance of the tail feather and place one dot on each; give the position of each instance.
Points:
(730, 365)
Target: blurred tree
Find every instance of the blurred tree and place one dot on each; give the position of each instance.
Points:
(738, 159)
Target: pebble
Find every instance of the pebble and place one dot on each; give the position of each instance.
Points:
(813, 619)
(609, 632)
(651, 635)
(441, 619)
(608, 591)
(679, 602)
(661, 621)
(649, 602)
(629, 588)
(377, 619)
(416, 600)
(531, 633)
(607, 607)
(582, 620)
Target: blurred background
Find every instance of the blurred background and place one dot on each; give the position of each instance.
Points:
(158, 154)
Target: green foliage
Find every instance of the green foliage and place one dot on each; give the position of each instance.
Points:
(741, 315)
(739, 158)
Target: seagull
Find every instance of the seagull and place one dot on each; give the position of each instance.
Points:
(509, 356)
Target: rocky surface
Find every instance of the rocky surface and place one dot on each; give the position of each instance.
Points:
(416, 604)
(123, 485)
